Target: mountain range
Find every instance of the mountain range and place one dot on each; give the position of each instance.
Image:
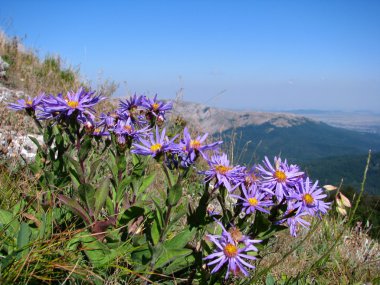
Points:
(325, 152)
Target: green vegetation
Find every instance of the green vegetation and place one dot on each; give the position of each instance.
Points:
(28, 73)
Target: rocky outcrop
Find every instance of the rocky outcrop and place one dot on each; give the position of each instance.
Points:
(213, 120)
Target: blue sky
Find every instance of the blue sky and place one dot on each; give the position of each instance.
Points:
(260, 55)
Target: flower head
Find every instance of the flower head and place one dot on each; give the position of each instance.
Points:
(125, 129)
(310, 198)
(281, 178)
(156, 145)
(192, 147)
(253, 199)
(157, 107)
(80, 104)
(231, 249)
(225, 174)
(108, 120)
(29, 104)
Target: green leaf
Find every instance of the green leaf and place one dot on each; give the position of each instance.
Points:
(156, 228)
(23, 238)
(122, 188)
(171, 176)
(76, 166)
(84, 149)
(169, 255)
(75, 207)
(101, 196)
(270, 280)
(8, 220)
(131, 213)
(94, 168)
(147, 181)
(180, 240)
(175, 193)
(98, 253)
(87, 194)
(179, 263)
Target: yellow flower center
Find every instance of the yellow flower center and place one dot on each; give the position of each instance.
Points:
(280, 176)
(195, 144)
(308, 199)
(230, 250)
(73, 104)
(97, 130)
(222, 169)
(253, 201)
(28, 103)
(128, 128)
(155, 106)
(156, 147)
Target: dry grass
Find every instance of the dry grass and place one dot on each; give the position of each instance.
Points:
(356, 258)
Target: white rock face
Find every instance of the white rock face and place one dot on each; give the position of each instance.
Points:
(3, 67)
(14, 145)
(8, 95)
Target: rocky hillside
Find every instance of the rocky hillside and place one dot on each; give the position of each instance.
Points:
(213, 120)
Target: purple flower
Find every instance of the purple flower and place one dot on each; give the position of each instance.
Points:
(281, 178)
(80, 104)
(132, 108)
(29, 104)
(156, 107)
(231, 249)
(310, 198)
(156, 145)
(229, 176)
(191, 148)
(126, 130)
(108, 120)
(253, 200)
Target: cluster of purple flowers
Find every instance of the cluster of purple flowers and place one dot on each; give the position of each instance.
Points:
(136, 124)
(263, 188)
(79, 105)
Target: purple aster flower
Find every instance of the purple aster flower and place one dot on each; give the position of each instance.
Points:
(253, 199)
(156, 107)
(132, 104)
(156, 145)
(231, 249)
(29, 104)
(132, 108)
(80, 104)
(281, 178)
(191, 148)
(108, 120)
(229, 176)
(124, 129)
(310, 198)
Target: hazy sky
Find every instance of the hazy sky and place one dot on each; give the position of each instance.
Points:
(262, 55)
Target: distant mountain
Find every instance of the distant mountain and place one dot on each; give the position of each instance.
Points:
(214, 120)
(301, 143)
(327, 153)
